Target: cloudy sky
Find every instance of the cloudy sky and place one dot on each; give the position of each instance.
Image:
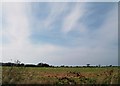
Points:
(60, 33)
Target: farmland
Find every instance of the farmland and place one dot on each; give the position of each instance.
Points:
(60, 75)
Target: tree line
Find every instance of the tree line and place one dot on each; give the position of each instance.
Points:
(19, 64)
(25, 65)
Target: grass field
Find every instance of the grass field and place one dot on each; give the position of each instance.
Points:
(61, 75)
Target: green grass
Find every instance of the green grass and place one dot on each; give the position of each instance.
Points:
(46, 75)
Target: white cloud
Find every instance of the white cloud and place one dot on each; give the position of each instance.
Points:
(72, 18)
(30, 53)
(16, 28)
(55, 10)
(17, 24)
(97, 50)
(18, 32)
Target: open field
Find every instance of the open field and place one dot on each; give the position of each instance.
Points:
(61, 75)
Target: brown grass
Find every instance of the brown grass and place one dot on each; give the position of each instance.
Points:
(22, 75)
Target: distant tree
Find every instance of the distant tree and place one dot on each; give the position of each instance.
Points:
(77, 66)
(67, 66)
(88, 65)
(17, 62)
(30, 65)
(62, 66)
(40, 64)
(110, 65)
(99, 65)
(43, 65)
(22, 64)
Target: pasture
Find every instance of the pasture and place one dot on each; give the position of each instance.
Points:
(60, 75)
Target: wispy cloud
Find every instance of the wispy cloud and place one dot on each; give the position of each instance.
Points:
(50, 14)
(71, 20)
(54, 13)
(16, 28)
(103, 46)
(60, 34)
(17, 31)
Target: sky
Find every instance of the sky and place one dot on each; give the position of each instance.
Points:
(60, 33)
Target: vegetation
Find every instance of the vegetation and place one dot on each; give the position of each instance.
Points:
(42, 73)
(60, 75)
